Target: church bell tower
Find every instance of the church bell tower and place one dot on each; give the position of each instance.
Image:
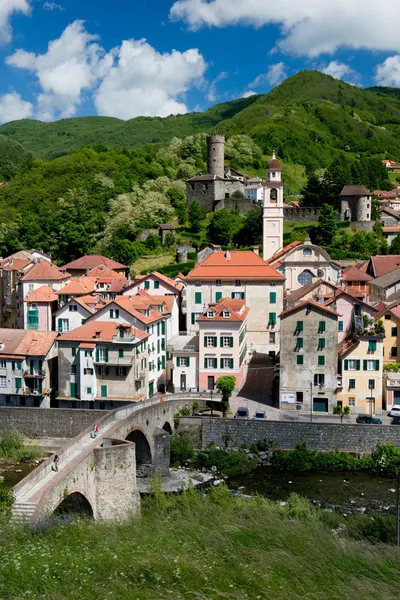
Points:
(273, 209)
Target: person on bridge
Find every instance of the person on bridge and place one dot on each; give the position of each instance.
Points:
(55, 463)
(95, 431)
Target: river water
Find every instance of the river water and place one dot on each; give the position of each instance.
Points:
(352, 492)
(14, 472)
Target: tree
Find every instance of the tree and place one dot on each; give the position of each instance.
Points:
(226, 384)
(123, 251)
(384, 248)
(395, 245)
(342, 411)
(175, 196)
(223, 226)
(251, 231)
(314, 193)
(195, 216)
(327, 225)
(153, 242)
(6, 499)
(238, 194)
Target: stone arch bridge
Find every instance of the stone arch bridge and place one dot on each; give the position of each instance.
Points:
(101, 473)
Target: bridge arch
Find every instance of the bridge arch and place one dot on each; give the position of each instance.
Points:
(167, 427)
(142, 447)
(75, 503)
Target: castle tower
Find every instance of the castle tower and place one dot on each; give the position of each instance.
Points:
(216, 155)
(273, 209)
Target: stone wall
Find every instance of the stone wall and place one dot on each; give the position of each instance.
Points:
(243, 205)
(306, 214)
(48, 422)
(286, 435)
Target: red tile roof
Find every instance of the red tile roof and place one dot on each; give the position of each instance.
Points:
(173, 284)
(346, 345)
(42, 294)
(238, 264)
(311, 303)
(237, 309)
(98, 331)
(281, 253)
(44, 271)
(82, 285)
(36, 343)
(394, 229)
(103, 271)
(355, 274)
(382, 265)
(91, 261)
(133, 305)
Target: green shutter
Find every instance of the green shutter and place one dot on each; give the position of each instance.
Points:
(163, 361)
(162, 327)
(147, 285)
(205, 363)
(321, 326)
(231, 342)
(205, 341)
(215, 363)
(97, 355)
(218, 296)
(231, 363)
(156, 285)
(299, 326)
(60, 324)
(193, 318)
(187, 361)
(72, 390)
(372, 346)
(232, 295)
(121, 353)
(300, 359)
(346, 365)
(272, 319)
(272, 297)
(18, 382)
(73, 351)
(242, 295)
(106, 355)
(321, 361)
(197, 297)
(13, 366)
(221, 342)
(158, 328)
(221, 362)
(377, 365)
(162, 343)
(299, 342)
(365, 364)
(321, 344)
(340, 325)
(215, 342)
(103, 391)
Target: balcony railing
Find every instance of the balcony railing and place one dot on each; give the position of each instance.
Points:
(392, 380)
(36, 374)
(114, 362)
(141, 375)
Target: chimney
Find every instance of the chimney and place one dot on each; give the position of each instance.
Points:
(228, 255)
(256, 250)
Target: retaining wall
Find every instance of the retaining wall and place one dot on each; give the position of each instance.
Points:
(285, 435)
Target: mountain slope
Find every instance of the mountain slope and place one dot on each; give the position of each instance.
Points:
(307, 119)
(11, 157)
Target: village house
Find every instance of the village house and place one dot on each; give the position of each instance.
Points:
(74, 313)
(28, 368)
(355, 282)
(83, 265)
(41, 307)
(308, 358)
(102, 364)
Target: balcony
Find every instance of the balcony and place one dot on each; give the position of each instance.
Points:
(31, 392)
(35, 374)
(114, 362)
(127, 339)
(392, 380)
(141, 375)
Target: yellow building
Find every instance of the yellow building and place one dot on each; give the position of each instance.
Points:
(391, 343)
(360, 381)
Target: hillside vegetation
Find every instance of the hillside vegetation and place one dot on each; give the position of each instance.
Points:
(307, 119)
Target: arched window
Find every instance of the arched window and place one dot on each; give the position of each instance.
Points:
(307, 252)
(305, 277)
(274, 195)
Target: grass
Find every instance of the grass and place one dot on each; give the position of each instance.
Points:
(153, 263)
(195, 547)
(12, 447)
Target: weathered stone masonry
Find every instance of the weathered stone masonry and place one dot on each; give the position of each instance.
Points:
(286, 435)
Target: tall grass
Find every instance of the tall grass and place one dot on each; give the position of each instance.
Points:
(193, 547)
(12, 447)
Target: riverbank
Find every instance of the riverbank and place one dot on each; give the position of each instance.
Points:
(191, 546)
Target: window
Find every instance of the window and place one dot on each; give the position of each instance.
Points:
(352, 384)
(226, 341)
(226, 314)
(121, 371)
(73, 351)
(319, 379)
(387, 317)
(372, 346)
(300, 359)
(371, 365)
(210, 314)
(120, 353)
(73, 369)
(194, 317)
(237, 295)
(210, 363)
(72, 390)
(3, 363)
(63, 325)
(321, 327)
(33, 317)
(73, 308)
(103, 370)
(88, 371)
(272, 297)
(371, 384)
(226, 363)
(31, 287)
(393, 351)
(156, 285)
(394, 331)
(226, 194)
(18, 383)
(352, 401)
(272, 319)
(88, 353)
(238, 282)
(101, 354)
(218, 296)
(307, 252)
(89, 390)
(114, 313)
(299, 326)
(299, 343)
(299, 397)
(210, 341)
(197, 298)
(273, 195)
(272, 337)
(218, 282)
(183, 361)
(103, 391)
(305, 277)
(340, 325)
(321, 344)
(352, 365)
(147, 285)
(321, 361)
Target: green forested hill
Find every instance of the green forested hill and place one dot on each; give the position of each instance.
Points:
(307, 119)
(11, 157)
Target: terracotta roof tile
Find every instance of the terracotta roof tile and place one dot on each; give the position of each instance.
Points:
(312, 303)
(354, 274)
(381, 264)
(237, 309)
(91, 261)
(173, 284)
(281, 253)
(238, 264)
(81, 285)
(98, 331)
(36, 343)
(42, 294)
(44, 271)
(103, 271)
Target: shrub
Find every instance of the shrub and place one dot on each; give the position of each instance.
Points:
(12, 447)
(226, 462)
(181, 447)
(6, 498)
(385, 460)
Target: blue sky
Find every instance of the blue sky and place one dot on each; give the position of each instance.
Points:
(157, 57)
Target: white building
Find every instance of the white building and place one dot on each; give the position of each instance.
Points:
(73, 314)
(273, 210)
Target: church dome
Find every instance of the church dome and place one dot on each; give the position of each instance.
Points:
(273, 163)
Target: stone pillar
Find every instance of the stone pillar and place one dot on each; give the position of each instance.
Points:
(161, 456)
(116, 495)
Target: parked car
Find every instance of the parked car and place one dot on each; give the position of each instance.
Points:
(394, 411)
(242, 413)
(259, 415)
(368, 420)
(395, 421)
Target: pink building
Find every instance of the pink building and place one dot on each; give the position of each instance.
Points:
(223, 343)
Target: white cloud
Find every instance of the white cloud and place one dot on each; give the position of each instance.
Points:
(131, 80)
(388, 72)
(71, 65)
(7, 8)
(249, 93)
(212, 94)
(310, 28)
(53, 6)
(12, 108)
(275, 74)
(340, 70)
(145, 82)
